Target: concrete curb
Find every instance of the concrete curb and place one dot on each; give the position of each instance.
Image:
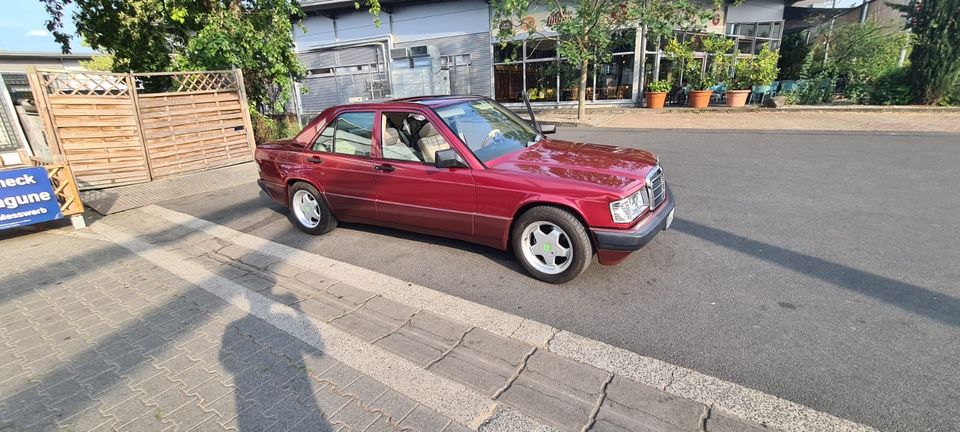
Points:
(718, 394)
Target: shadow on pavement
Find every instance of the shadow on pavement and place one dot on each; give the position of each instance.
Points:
(911, 298)
(110, 361)
(253, 395)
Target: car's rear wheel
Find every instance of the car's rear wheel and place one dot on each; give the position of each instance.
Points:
(308, 211)
(551, 244)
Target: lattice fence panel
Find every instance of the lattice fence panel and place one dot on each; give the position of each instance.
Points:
(118, 129)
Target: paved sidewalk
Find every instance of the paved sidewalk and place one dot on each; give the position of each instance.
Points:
(122, 198)
(95, 338)
(768, 120)
(152, 321)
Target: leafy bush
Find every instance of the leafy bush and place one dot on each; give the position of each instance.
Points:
(267, 129)
(814, 91)
(891, 88)
(660, 86)
(717, 69)
(953, 94)
(858, 54)
(757, 70)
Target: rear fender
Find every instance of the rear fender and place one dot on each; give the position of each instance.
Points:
(295, 179)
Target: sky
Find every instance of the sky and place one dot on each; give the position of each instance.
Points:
(22, 28)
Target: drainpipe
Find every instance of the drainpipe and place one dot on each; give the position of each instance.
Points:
(863, 11)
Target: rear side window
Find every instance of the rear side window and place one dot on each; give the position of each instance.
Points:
(350, 134)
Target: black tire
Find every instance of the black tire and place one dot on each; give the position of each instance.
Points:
(576, 233)
(326, 222)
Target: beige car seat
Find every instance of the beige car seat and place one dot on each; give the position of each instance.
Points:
(394, 147)
(430, 142)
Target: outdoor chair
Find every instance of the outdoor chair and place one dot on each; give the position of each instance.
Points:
(788, 86)
(759, 93)
(719, 91)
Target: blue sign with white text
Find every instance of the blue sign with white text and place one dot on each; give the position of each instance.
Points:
(26, 197)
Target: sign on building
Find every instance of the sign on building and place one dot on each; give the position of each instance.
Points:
(26, 198)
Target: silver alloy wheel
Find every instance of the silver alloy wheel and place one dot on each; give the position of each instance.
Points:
(306, 208)
(547, 247)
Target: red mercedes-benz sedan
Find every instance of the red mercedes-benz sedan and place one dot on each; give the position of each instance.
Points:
(467, 168)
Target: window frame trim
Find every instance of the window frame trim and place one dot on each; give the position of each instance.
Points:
(408, 111)
(334, 117)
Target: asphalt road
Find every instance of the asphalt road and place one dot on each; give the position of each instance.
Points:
(823, 268)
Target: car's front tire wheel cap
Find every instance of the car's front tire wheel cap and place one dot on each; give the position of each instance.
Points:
(551, 244)
(308, 211)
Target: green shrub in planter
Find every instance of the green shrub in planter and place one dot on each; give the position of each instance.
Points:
(661, 86)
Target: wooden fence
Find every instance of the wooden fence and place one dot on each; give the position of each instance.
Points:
(120, 129)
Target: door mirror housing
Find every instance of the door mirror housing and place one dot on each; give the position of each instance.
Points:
(548, 129)
(449, 158)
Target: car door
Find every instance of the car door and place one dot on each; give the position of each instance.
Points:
(341, 161)
(412, 192)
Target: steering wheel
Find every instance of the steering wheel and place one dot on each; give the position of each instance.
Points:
(490, 136)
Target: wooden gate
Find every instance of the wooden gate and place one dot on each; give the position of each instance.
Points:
(120, 129)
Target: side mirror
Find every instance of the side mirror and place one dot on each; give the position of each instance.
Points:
(548, 129)
(449, 158)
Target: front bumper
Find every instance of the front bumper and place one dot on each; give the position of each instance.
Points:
(637, 236)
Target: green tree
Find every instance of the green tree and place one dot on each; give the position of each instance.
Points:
(793, 53)
(585, 28)
(99, 62)
(163, 35)
(935, 59)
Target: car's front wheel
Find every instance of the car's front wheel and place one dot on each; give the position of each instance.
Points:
(308, 211)
(551, 244)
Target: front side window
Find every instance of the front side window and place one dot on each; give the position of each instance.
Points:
(410, 137)
(487, 128)
(350, 134)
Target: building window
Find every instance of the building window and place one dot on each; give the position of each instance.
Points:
(535, 66)
(752, 37)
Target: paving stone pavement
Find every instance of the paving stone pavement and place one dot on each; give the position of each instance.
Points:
(97, 338)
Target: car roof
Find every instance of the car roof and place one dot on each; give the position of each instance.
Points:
(430, 101)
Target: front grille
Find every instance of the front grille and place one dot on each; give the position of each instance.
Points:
(656, 187)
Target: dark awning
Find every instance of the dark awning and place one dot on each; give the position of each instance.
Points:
(798, 19)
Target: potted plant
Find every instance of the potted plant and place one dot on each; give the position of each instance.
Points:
(656, 93)
(701, 77)
(740, 84)
(758, 70)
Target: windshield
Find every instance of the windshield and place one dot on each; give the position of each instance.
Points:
(487, 128)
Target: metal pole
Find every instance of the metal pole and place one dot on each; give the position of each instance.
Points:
(639, 66)
(826, 48)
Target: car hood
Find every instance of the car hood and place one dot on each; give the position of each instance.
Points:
(607, 166)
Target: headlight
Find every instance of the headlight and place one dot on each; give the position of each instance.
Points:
(627, 209)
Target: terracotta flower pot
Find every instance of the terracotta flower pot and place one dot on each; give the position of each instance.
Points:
(655, 100)
(700, 98)
(737, 98)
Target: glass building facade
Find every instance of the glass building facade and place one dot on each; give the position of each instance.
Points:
(534, 65)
